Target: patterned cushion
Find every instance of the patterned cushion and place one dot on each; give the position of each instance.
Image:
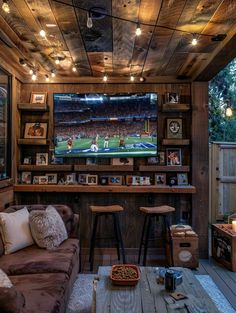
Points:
(15, 231)
(47, 228)
(4, 280)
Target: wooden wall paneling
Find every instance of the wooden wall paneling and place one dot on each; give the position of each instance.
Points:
(200, 171)
(6, 197)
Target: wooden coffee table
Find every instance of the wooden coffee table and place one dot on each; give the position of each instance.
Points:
(150, 297)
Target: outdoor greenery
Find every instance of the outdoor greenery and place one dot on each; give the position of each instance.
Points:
(222, 91)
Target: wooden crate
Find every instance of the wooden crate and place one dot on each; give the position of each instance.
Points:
(224, 245)
(185, 248)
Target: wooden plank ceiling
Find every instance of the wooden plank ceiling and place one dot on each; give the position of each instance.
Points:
(162, 52)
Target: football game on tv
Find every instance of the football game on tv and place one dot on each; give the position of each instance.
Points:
(107, 125)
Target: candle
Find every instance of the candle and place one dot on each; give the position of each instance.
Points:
(234, 226)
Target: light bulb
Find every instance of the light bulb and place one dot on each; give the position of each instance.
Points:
(228, 112)
(53, 74)
(74, 69)
(57, 61)
(47, 78)
(89, 21)
(132, 78)
(42, 33)
(105, 78)
(31, 71)
(5, 7)
(194, 40)
(138, 31)
(34, 77)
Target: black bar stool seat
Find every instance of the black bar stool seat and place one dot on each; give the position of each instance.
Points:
(106, 210)
(150, 214)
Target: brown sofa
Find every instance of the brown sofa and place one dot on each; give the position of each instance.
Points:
(45, 277)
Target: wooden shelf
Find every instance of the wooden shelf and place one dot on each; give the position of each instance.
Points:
(45, 168)
(175, 142)
(105, 189)
(34, 142)
(175, 107)
(104, 168)
(163, 168)
(32, 107)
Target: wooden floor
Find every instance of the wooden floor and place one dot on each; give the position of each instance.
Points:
(223, 278)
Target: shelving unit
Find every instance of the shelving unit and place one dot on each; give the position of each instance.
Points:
(46, 168)
(175, 142)
(163, 168)
(175, 107)
(33, 142)
(104, 168)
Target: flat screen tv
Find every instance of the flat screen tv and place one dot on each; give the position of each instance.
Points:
(106, 125)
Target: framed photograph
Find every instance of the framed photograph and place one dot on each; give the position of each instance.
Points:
(174, 128)
(41, 158)
(115, 180)
(122, 161)
(83, 179)
(172, 180)
(38, 98)
(153, 160)
(52, 178)
(35, 130)
(172, 97)
(36, 180)
(129, 180)
(103, 180)
(92, 179)
(182, 179)
(71, 179)
(173, 156)
(43, 180)
(27, 160)
(144, 180)
(26, 177)
(160, 179)
(161, 157)
(91, 161)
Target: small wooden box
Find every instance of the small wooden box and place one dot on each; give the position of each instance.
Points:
(185, 248)
(224, 245)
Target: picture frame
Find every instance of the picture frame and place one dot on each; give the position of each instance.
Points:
(115, 180)
(160, 178)
(172, 180)
(174, 128)
(91, 161)
(43, 180)
(122, 161)
(129, 180)
(92, 180)
(71, 179)
(144, 181)
(173, 156)
(26, 178)
(152, 160)
(42, 158)
(182, 179)
(172, 97)
(39, 98)
(103, 180)
(35, 130)
(27, 160)
(83, 179)
(35, 180)
(52, 178)
(161, 157)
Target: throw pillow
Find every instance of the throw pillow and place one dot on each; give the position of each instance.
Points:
(4, 280)
(15, 231)
(47, 228)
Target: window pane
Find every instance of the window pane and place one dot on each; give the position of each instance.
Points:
(5, 141)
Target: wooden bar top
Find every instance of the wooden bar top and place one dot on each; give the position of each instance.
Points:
(150, 297)
(107, 188)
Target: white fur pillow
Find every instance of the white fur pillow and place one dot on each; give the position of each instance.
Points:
(15, 231)
(47, 228)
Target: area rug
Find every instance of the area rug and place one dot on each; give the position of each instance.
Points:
(81, 297)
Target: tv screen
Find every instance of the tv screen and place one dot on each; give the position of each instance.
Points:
(93, 125)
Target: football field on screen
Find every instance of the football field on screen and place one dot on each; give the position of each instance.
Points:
(133, 146)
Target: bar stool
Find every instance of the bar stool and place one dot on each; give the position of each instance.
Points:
(150, 214)
(112, 210)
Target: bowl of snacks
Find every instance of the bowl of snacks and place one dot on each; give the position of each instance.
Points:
(125, 274)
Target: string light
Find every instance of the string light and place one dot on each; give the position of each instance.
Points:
(31, 71)
(131, 78)
(89, 20)
(57, 61)
(228, 112)
(22, 62)
(46, 78)
(74, 69)
(42, 33)
(53, 74)
(194, 40)
(105, 78)
(34, 76)
(138, 31)
(5, 6)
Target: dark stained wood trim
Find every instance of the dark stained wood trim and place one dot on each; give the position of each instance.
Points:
(200, 167)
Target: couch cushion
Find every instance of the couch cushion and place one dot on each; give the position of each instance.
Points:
(11, 300)
(15, 231)
(47, 227)
(44, 293)
(35, 260)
